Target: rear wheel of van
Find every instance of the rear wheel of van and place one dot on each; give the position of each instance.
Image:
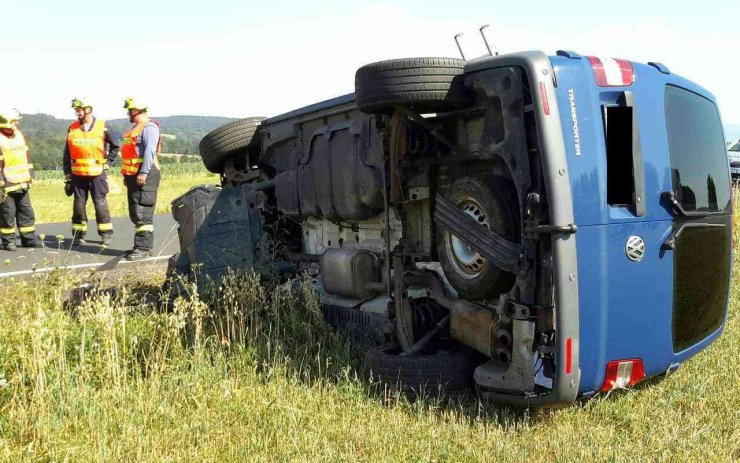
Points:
(491, 200)
(422, 84)
(444, 366)
(233, 139)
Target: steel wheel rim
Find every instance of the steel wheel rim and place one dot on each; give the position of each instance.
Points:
(467, 261)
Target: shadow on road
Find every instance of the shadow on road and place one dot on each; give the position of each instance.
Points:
(90, 247)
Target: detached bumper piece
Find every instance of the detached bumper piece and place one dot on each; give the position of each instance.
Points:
(219, 229)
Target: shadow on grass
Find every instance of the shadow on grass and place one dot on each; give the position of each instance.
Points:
(279, 329)
(286, 329)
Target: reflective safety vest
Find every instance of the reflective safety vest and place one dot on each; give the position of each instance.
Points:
(131, 158)
(14, 158)
(87, 149)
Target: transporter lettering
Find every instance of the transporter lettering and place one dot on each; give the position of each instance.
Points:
(574, 118)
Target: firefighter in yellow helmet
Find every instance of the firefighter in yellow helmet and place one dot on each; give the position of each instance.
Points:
(89, 149)
(140, 169)
(16, 175)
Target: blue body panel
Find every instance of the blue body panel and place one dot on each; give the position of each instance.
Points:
(625, 306)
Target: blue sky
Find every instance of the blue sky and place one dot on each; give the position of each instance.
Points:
(242, 59)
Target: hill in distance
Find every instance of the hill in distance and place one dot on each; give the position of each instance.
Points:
(182, 127)
(47, 135)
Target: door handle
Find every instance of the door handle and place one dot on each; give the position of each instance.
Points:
(670, 242)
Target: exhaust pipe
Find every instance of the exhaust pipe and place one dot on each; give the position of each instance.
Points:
(472, 325)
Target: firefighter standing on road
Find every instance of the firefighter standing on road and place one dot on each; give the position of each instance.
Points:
(85, 165)
(141, 174)
(16, 174)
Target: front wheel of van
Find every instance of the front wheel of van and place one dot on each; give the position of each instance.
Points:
(491, 201)
(423, 84)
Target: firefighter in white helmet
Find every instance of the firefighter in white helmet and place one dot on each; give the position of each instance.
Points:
(87, 152)
(16, 175)
(140, 169)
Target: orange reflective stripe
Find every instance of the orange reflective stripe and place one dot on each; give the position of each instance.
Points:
(87, 167)
(88, 161)
(88, 171)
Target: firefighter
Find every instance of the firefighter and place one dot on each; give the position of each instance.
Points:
(16, 172)
(85, 166)
(140, 169)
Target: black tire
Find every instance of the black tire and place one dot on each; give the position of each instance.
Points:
(446, 366)
(493, 201)
(178, 265)
(177, 276)
(234, 138)
(422, 84)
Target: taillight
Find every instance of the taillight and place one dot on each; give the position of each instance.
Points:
(610, 72)
(623, 373)
(545, 100)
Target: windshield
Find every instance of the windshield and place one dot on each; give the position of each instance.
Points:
(734, 146)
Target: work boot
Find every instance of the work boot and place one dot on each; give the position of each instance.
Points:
(33, 244)
(138, 254)
(10, 246)
(106, 240)
(78, 240)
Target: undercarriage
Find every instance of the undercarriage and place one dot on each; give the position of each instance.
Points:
(422, 217)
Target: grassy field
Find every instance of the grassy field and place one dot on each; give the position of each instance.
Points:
(51, 205)
(252, 374)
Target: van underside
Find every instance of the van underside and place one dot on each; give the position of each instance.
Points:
(421, 214)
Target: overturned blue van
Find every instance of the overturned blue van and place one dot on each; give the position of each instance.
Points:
(540, 227)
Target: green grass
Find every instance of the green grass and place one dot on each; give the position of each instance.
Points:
(252, 374)
(51, 205)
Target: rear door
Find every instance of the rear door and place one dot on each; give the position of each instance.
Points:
(700, 202)
(629, 148)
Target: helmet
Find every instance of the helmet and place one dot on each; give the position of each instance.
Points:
(81, 103)
(8, 118)
(131, 103)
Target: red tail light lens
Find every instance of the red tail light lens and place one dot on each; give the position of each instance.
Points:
(623, 373)
(545, 100)
(610, 72)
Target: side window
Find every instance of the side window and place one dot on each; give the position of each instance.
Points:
(697, 151)
(620, 184)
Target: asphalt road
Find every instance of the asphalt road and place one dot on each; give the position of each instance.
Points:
(60, 253)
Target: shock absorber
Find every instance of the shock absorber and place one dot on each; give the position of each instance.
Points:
(427, 314)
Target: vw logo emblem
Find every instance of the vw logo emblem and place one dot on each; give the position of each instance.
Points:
(635, 248)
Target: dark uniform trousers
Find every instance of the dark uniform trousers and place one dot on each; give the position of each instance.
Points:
(97, 187)
(141, 201)
(17, 209)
